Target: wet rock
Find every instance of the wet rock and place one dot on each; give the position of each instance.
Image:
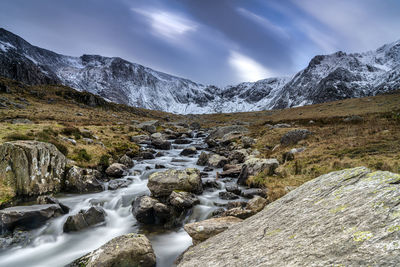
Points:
(182, 200)
(81, 180)
(27, 217)
(42, 200)
(146, 155)
(159, 166)
(189, 151)
(84, 219)
(117, 184)
(232, 171)
(217, 161)
(211, 184)
(116, 170)
(238, 156)
(227, 195)
(254, 166)
(31, 168)
(140, 139)
(161, 184)
(133, 250)
(208, 169)
(200, 231)
(160, 154)
(203, 159)
(256, 204)
(182, 141)
(233, 188)
(161, 144)
(247, 142)
(127, 161)
(156, 136)
(148, 210)
(19, 237)
(293, 137)
(250, 193)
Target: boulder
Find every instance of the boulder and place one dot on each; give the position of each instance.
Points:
(250, 193)
(227, 195)
(256, 204)
(149, 126)
(254, 166)
(233, 188)
(140, 139)
(182, 141)
(293, 137)
(119, 183)
(84, 219)
(146, 155)
(126, 250)
(161, 184)
(200, 231)
(247, 142)
(203, 159)
(30, 168)
(148, 210)
(156, 135)
(220, 132)
(216, 161)
(189, 151)
(116, 170)
(161, 144)
(211, 184)
(127, 161)
(232, 171)
(27, 217)
(182, 200)
(238, 212)
(344, 218)
(42, 200)
(81, 180)
(238, 156)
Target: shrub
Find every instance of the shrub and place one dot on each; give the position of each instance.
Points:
(17, 136)
(104, 161)
(71, 131)
(62, 148)
(83, 155)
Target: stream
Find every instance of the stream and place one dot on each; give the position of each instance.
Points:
(50, 246)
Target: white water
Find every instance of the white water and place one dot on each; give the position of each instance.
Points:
(51, 247)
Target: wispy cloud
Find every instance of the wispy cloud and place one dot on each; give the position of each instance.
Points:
(247, 68)
(167, 24)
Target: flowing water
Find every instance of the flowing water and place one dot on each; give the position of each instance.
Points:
(51, 247)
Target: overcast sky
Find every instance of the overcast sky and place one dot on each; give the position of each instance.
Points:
(209, 41)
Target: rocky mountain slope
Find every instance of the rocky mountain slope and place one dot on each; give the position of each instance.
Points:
(326, 78)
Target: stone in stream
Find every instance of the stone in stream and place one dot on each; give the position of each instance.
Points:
(182, 141)
(126, 250)
(189, 151)
(232, 171)
(182, 200)
(30, 168)
(203, 159)
(80, 180)
(250, 193)
(247, 141)
(41, 200)
(27, 217)
(148, 210)
(116, 170)
(127, 161)
(200, 231)
(217, 161)
(161, 184)
(233, 188)
(227, 195)
(117, 184)
(161, 144)
(146, 155)
(238, 156)
(140, 139)
(84, 219)
(211, 184)
(343, 218)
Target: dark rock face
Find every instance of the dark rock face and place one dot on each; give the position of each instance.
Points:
(148, 210)
(42, 200)
(228, 195)
(27, 217)
(293, 137)
(80, 180)
(189, 151)
(85, 219)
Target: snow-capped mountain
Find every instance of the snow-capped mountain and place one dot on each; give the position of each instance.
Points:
(326, 78)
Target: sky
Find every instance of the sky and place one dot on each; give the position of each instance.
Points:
(217, 42)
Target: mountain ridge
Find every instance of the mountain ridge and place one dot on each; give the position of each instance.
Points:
(326, 78)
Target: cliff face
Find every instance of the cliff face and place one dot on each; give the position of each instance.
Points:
(344, 218)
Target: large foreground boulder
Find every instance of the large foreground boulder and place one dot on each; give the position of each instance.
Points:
(27, 217)
(161, 184)
(200, 231)
(126, 250)
(30, 168)
(344, 218)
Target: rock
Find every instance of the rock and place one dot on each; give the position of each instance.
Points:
(293, 137)
(140, 139)
(159, 166)
(148, 210)
(195, 125)
(233, 171)
(238, 212)
(256, 204)
(250, 193)
(132, 250)
(343, 218)
(203, 159)
(189, 151)
(84, 219)
(161, 184)
(30, 168)
(27, 217)
(217, 161)
(161, 144)
(217, 213)
(236, 204)
(208, 169)
(228, 195)
(211, 184)
(156, 135)
(21, 121)
(160, 154)
(220, 132)
(182, 141)
(42, 200)
(146, 155)
(182, 200)
(116, 170)
(80, 180)
(233, 188)
(201, 231)
(254, 166)
(87, 141)
(127, 161)
(149, 126)
(238, 155)
(354, 119)
(117, 184)
(247, 142)
(280, 125)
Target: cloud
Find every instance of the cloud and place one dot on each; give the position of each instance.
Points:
(167, 24)
(247, 68)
